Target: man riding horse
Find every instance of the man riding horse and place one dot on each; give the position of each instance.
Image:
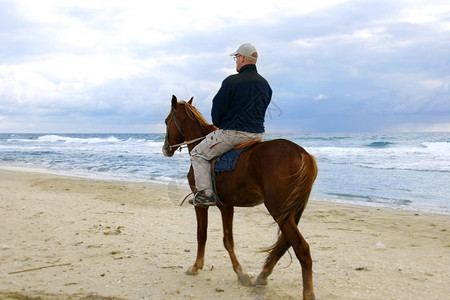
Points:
(238, 110)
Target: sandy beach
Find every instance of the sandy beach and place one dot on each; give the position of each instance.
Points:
(71, 238)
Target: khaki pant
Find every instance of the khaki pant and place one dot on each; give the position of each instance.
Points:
(215, 144)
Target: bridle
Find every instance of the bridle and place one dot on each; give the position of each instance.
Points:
(167, 146)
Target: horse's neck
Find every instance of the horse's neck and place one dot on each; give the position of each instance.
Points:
(201, 129)
(199, 132)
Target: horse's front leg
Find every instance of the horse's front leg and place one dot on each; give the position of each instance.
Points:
(202, 228)
(227, 222)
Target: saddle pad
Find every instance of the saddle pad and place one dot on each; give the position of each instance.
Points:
(227, 161)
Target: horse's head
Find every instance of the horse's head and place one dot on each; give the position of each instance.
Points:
(174, 132)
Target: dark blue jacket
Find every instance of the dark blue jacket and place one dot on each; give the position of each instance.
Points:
(242, 101)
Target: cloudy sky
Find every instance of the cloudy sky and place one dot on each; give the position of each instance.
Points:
(334, 65)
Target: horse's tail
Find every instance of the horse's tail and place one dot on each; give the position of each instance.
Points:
(300, 189)
(297, 200)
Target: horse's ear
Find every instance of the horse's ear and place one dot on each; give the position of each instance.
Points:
(190, 101)
(174, 102)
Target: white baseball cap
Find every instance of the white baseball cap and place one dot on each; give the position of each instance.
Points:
(246, 50)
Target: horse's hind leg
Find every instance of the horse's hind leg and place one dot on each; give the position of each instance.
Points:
(292, 234)
(202, 229)
(275, 253)
(227, 222)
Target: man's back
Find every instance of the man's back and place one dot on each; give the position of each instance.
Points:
(242, 101)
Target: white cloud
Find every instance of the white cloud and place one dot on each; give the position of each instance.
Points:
(434, 84)
(321, 97)
(23, 86)
(133, 18)
(425, 12)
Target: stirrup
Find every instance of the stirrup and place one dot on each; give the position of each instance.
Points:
(201, 200)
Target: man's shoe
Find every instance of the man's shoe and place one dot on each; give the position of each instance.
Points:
(202, 200)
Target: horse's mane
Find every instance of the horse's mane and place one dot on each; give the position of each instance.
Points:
(194, 114)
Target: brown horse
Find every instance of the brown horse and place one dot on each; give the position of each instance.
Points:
(278, 173)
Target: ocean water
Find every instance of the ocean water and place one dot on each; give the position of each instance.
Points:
(399, 170)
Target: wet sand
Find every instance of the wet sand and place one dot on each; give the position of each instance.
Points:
(70, 238)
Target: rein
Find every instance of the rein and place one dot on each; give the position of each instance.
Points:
(166, 143)
(186, 143)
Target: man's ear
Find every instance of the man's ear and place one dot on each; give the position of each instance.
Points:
(190, 101)
(174, 102)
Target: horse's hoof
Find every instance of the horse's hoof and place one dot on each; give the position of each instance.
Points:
(192, 271)
(310, 297)
(245, 280)
(261, 280)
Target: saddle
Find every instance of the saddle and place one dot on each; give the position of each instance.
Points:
(227, 161)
